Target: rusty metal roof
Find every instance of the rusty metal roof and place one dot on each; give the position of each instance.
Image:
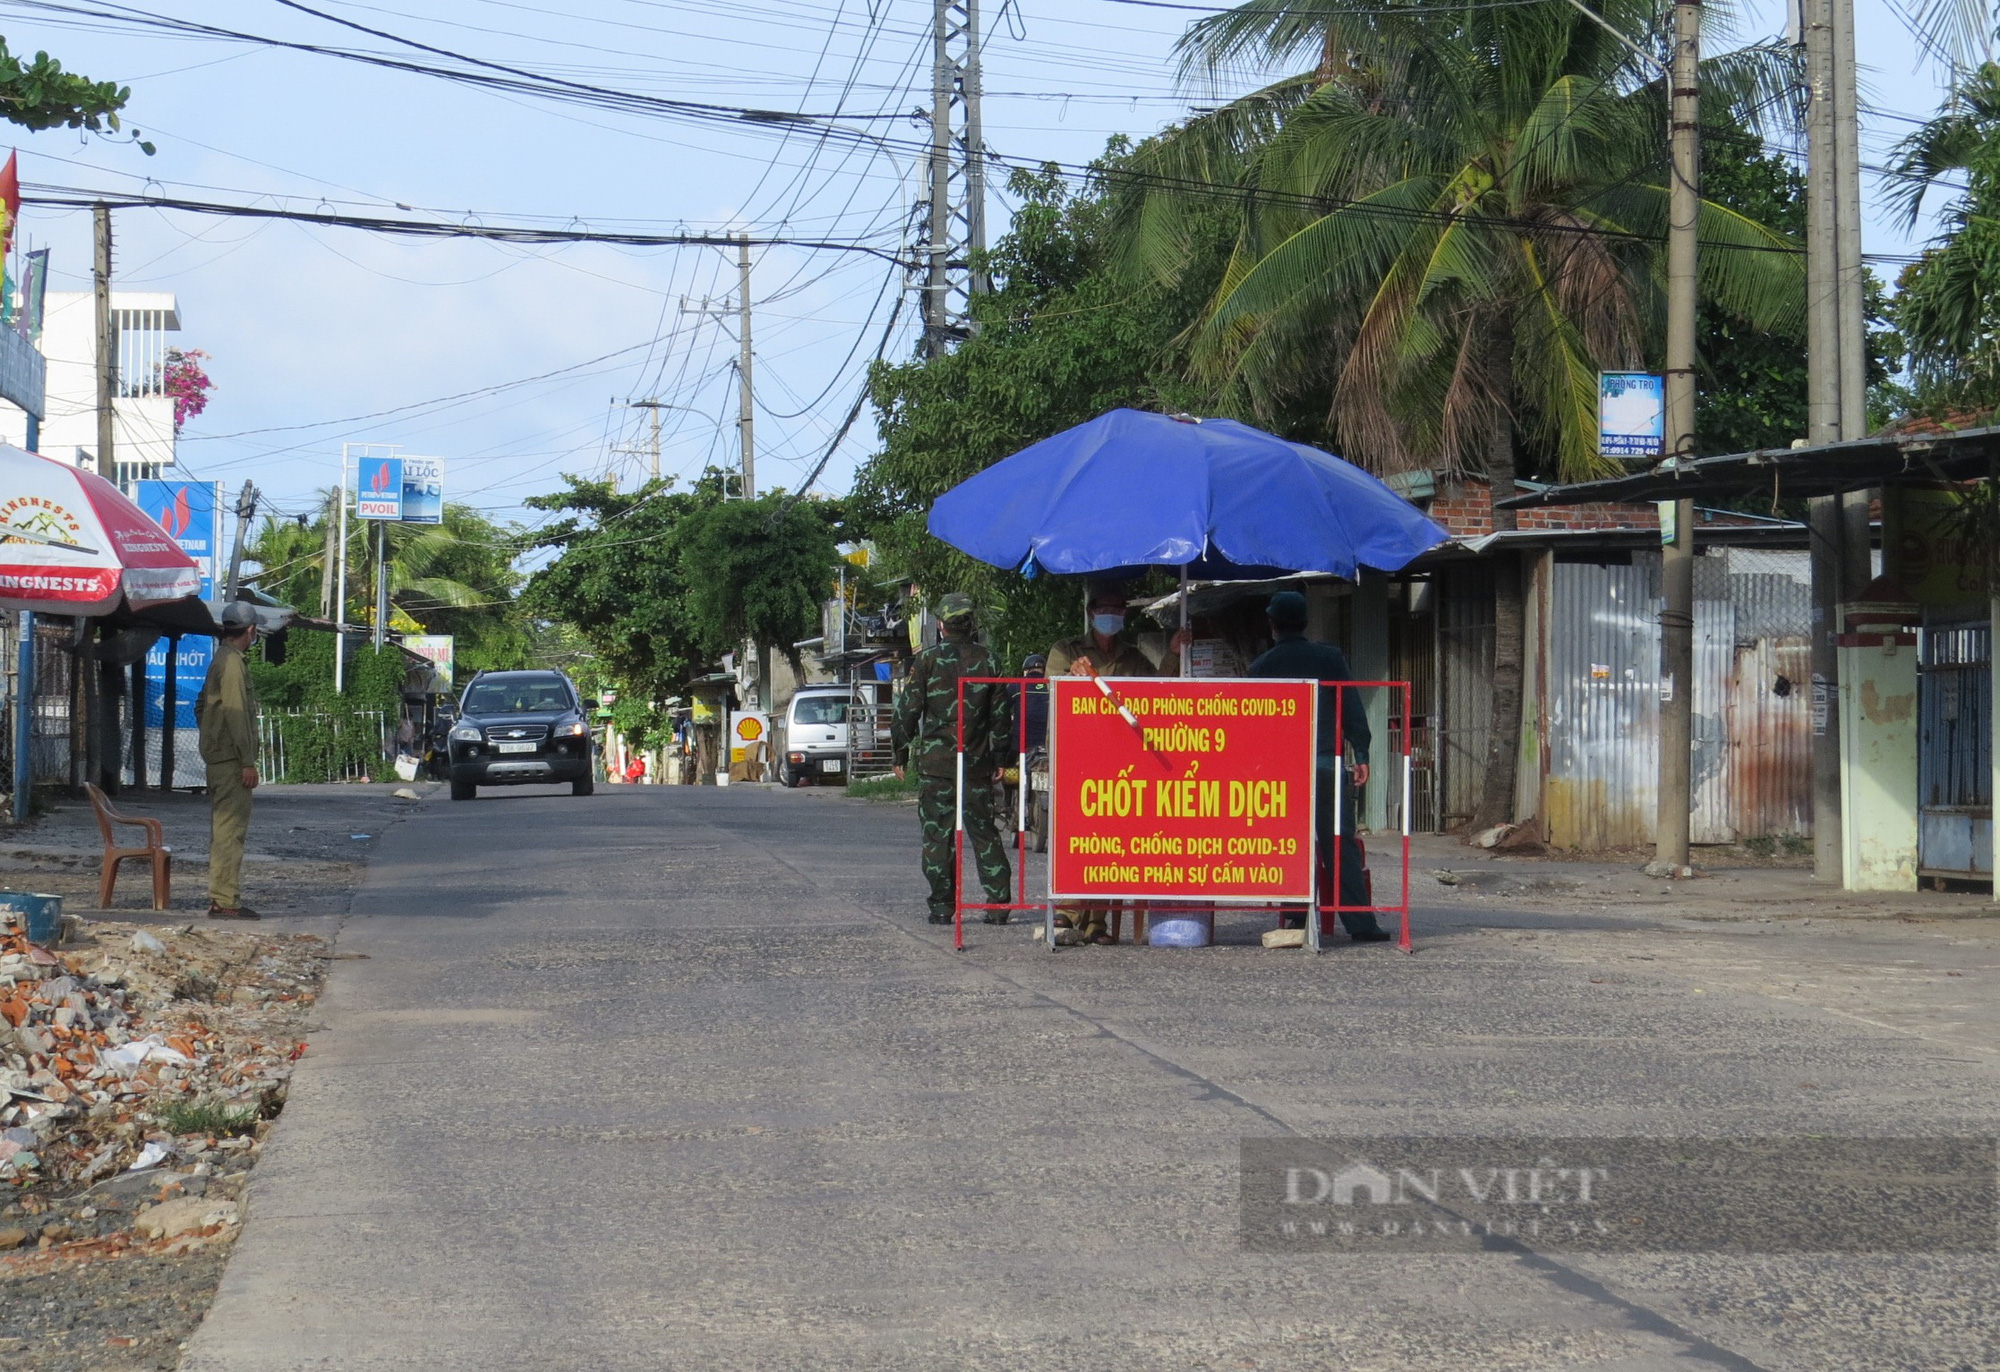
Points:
(1829, 469)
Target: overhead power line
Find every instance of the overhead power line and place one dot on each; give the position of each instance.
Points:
(493, 75)
(74, 198)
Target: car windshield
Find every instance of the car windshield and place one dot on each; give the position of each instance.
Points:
(515, 697)
(820, 710)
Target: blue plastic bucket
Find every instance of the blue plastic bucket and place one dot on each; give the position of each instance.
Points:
(39, 915)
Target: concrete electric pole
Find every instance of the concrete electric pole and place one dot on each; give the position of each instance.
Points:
(746, 414)
(1836, 379)
(651, 452)
(107, 343)
(957, 220)
(246, 510)
(1677, 554)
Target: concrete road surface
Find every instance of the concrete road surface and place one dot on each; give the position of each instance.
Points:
(678, 1078)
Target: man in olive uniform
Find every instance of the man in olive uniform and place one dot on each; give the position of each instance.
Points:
(926, 738)
(1100, 644)
(1108, 654)
(226, 710)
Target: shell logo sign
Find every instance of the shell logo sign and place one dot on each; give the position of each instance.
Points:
(749, 729)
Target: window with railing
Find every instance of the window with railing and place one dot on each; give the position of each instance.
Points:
(142, 350)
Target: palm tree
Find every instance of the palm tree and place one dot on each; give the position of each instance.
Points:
(1448, 228)
(456, 577)
(1945, 304)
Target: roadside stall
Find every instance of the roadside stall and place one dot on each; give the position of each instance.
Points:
(1219, 501)
(73, 547)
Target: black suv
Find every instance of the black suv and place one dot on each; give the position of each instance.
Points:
(517, 728)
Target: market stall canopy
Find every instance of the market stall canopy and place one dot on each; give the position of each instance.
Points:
(1218, 498)
(70, 544)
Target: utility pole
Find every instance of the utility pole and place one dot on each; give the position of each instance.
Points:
(1856, 571)
(746, 416)
(327, 561)
(246, 509)
(957, 175)
(340, 587)
(381, 583)
(651, 452)
(1677, 554)
(1835, 386)
(107, 342)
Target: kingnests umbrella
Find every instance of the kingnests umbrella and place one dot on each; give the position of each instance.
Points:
(1218, 499)
(70, 544)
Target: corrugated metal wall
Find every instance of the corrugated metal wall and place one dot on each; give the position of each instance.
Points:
(1465, 688)
(1769, 696)
(1603, 699)
(1752, 764)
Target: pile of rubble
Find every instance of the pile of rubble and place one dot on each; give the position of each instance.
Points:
(130, 1049)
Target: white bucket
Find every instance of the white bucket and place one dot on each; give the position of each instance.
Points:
(1178, 931)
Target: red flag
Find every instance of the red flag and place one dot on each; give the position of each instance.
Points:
(10, 202)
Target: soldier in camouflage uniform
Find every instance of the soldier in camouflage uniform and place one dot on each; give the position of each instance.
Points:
(926, 735)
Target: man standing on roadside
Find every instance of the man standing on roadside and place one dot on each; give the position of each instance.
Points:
(1294, 655)
(926, 738)
(226, 711)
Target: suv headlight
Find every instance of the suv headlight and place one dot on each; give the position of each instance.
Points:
(574, 729)
(466, 733)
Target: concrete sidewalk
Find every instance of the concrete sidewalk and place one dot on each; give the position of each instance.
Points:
(678, 1078)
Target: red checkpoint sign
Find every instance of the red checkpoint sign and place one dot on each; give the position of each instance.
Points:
(1206, 793)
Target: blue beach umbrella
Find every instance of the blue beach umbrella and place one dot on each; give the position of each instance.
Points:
(1218, 499)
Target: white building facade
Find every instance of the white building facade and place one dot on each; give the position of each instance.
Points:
(143, 412)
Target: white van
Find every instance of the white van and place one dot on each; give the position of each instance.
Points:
(813, 743)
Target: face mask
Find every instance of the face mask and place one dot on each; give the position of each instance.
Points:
(1107, 624)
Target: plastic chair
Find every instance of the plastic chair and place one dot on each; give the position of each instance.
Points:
(156, 849)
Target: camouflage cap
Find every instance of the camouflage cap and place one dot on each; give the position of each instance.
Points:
(957, 605)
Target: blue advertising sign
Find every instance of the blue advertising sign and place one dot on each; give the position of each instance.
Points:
(1631, 414)
(378, 493)
(190, 670)
(191, 514)
(423, 490)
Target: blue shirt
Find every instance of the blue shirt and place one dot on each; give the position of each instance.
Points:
(1295, 655)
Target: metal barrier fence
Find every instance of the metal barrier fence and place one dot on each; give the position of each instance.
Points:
(316, 746)
(1326, 865)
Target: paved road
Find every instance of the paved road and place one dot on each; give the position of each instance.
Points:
(670, 1078)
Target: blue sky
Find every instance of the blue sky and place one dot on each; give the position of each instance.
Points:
(310, 329)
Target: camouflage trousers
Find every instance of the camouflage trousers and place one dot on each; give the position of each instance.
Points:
(934, 813)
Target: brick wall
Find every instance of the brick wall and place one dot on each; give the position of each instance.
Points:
(1463, 510)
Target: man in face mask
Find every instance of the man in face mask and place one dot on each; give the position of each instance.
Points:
(1102, 644)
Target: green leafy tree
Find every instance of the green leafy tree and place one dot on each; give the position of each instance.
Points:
(757, 571)
(1752, 382)
(1062, 337)
(618, 582)
(658, 583)
(322, 733)
(39, 94)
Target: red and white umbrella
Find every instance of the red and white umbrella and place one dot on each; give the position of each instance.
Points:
(70, 544)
